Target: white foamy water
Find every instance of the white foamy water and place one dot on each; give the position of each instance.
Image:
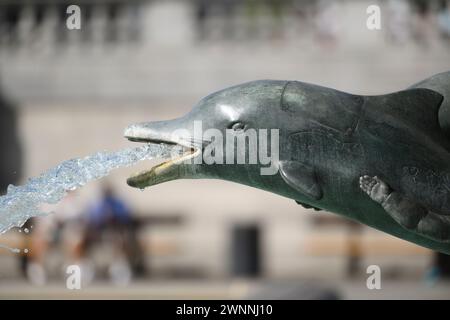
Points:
(23, 202)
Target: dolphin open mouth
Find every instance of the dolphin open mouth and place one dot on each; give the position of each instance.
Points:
(167, 170)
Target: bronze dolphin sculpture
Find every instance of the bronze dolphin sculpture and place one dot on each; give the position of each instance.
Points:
(381, 160)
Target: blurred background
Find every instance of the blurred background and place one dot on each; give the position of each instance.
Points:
(70, 93)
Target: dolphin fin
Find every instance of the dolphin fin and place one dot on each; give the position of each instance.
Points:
(418, 106)
(440, 83)
(301, 177)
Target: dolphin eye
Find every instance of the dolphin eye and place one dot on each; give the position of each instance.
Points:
(237, 126)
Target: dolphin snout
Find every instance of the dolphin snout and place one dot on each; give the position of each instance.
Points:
(155, 132)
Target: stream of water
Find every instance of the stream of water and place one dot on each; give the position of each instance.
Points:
(23, 202)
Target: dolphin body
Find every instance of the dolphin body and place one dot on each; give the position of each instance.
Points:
(328, 140)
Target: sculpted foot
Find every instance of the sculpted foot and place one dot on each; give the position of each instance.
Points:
(375, 188)
(405, 212)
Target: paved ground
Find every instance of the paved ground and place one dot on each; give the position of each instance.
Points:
(355, 289)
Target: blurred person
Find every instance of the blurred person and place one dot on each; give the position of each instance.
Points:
(227, 8)
(439, 270)
(9, 23)
(444, 19)
(252, 7)
(442, 263)
(276, 8)
(63, 229)
(398, 21)
(424, 31)
(202, 12)
(206, 9)
(255, 8)
(110, 221)
(108, 211)
(302, 8)
(326, 24)
(354, 248)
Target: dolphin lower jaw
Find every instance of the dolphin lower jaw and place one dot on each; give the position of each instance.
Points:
(172, 169)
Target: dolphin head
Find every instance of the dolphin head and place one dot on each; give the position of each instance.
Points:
(238, 114)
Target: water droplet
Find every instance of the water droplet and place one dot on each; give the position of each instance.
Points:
(26, 230)
(25, 250)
